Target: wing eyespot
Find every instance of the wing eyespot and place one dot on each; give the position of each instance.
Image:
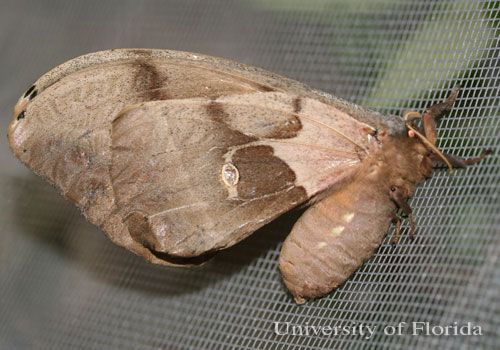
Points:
(21, 115)
(230, 175)
(29, 91)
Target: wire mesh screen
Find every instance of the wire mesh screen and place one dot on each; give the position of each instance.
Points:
(64, 285)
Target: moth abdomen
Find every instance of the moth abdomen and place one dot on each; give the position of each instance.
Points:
(333, 239)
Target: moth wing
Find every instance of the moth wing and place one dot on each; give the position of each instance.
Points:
(193, 176)
(62, 126)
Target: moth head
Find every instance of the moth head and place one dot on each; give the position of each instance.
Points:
(408, 159)
(412, 156)
(409, 117)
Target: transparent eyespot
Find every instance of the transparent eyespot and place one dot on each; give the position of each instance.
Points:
(230, 174)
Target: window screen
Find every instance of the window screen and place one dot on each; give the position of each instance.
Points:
(64, 285)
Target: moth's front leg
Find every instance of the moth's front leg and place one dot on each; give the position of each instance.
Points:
(399, 198)
(397, 233)
(459, 162)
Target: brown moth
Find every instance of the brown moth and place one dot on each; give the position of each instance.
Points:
(176, 155)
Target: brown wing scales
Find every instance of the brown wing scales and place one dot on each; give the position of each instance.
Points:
(65, 136)
(166, 165)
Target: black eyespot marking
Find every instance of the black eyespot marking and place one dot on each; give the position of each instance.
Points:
(29, 91)
(33, 95)
(21, 115)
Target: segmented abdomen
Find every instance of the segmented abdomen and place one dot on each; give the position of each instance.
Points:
(333, 238)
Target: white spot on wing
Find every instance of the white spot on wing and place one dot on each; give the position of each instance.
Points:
(230, 175)
(337, 230)
(348, 217)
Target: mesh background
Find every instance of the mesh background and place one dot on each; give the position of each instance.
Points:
(64, 285)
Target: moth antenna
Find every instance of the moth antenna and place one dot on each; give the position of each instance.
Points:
(430, 146)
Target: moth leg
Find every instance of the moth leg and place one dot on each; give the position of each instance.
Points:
(398, 197)
(397, 233)
(434, 112)
(413, 226)
(459, 162)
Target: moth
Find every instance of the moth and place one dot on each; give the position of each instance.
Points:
(176, 156)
